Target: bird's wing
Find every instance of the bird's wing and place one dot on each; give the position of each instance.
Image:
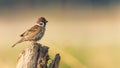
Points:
(32, 31)
(22, 34)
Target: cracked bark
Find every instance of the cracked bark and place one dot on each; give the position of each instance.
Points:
(36, 56)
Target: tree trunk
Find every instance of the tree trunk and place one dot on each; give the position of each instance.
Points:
(36, 56)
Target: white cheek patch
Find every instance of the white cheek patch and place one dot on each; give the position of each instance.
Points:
(42, 24)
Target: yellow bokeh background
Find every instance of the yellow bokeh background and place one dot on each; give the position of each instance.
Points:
(85, 37)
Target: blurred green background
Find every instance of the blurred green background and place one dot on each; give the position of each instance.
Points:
(85, 32)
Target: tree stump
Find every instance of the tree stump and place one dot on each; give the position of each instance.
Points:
(36, 56)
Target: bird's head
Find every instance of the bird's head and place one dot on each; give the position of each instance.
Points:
(42, 21)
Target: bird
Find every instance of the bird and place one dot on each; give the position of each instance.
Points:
(35, 33)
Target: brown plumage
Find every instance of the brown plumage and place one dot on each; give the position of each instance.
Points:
(35, 33)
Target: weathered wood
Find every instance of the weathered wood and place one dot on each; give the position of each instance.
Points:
(55, 62)
(36, 56)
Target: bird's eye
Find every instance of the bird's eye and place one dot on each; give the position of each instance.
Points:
(41, 23)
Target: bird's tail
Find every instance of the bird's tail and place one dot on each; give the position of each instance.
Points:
(21, 40)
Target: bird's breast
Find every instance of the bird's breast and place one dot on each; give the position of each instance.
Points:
(40, 35)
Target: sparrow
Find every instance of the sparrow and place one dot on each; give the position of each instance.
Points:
(35, 33)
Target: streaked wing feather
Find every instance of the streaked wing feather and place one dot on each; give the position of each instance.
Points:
(32, 32)
(22, 34)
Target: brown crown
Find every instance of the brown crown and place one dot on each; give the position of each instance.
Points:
(42, 19)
